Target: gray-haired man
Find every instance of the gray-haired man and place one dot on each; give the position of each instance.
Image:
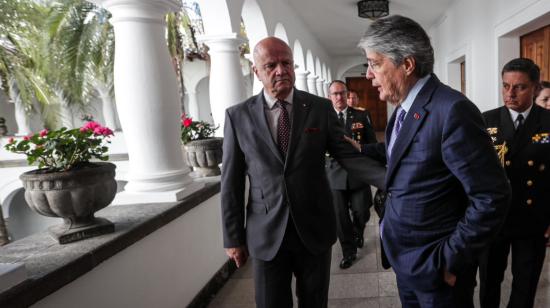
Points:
(440, 211)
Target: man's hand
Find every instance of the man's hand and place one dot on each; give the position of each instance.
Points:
(547, 236)
(238, 254)
(449, 278)
(355, 144)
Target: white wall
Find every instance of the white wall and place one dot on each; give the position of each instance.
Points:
(486, 34)
(165, 269)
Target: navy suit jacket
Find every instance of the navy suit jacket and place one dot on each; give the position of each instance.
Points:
(447, 192)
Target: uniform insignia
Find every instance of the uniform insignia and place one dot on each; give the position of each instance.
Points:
(501, 150)
(492, 130)
(541, 138)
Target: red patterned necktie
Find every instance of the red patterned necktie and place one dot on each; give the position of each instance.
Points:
(283, 128)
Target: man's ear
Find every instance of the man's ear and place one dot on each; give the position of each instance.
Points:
(410, 65)
(255, 70)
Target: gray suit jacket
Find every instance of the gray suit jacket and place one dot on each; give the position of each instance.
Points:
(296, 186)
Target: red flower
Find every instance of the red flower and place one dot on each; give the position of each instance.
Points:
(27, 138)
(187, 122)
(43, 132)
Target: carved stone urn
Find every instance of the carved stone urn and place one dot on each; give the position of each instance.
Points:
(204, 156)
(75, 196)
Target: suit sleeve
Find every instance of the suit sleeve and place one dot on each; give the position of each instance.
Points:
(232, 188)
(468, 153)
(360, 167)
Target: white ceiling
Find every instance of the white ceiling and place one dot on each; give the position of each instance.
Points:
(338, 28)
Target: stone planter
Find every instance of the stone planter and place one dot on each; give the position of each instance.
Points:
(204, 156)
(75, 196)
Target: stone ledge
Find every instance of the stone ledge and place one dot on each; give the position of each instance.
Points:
(51, 266)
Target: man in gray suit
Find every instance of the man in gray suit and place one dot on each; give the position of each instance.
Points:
(278, 139)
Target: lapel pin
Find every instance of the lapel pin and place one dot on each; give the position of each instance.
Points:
(416, 116)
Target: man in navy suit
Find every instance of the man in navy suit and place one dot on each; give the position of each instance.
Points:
(521, 133)
(447, 192)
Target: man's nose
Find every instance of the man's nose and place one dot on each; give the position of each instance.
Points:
(369, 74)
(280, 69)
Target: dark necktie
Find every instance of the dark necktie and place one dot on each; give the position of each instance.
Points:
(520, 122)
(341, 118)
(283, 128)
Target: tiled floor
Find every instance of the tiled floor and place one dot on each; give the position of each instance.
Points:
(365, 284)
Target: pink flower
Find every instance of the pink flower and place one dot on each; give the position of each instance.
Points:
(187, 122)
(90, 126)
(11, 140)
(43, 132)
(27, 138)
(107, 132)
(103, 131)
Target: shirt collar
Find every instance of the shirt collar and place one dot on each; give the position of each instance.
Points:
(411, 96)
(344, 111)
(272, 100)
(514, 114)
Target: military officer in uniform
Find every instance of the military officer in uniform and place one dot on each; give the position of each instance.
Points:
(349, 194)
(520, 132)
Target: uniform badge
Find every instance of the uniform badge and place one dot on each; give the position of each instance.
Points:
(541, 138)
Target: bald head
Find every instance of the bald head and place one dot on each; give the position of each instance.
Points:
(274, 67)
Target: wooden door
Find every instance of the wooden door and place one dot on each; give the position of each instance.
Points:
(368, 99)
(536, 46)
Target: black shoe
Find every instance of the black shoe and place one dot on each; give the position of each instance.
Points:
(347, 261)
(359, 241)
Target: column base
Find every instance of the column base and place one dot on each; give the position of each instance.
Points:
(158, 182)
(128, 197)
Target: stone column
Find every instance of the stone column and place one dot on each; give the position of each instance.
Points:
(107, 106)
(319, 88)
(193, 105)
(22, 120)
(147, 97)
(311, 84)
(301, 80)
(226, 78)
(326, 88)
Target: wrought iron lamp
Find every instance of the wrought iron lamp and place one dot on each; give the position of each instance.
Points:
(373, 9)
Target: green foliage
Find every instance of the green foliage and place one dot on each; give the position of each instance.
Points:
(63, 149)
(195, 130)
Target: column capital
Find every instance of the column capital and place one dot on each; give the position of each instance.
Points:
(139, 10)
(301, 73)
(227, 42)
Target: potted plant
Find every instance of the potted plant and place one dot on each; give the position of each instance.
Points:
(66, 184)
(203, 151)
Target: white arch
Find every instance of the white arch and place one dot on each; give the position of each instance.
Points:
(318, 69)
(347, 64)
(299, 56)
(280, 32)
(221, 16)
(310, 63)
(254, 22)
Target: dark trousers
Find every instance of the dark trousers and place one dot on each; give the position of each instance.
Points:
(358, 202)
(444, 296)
(527, 261)
(272, 279)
